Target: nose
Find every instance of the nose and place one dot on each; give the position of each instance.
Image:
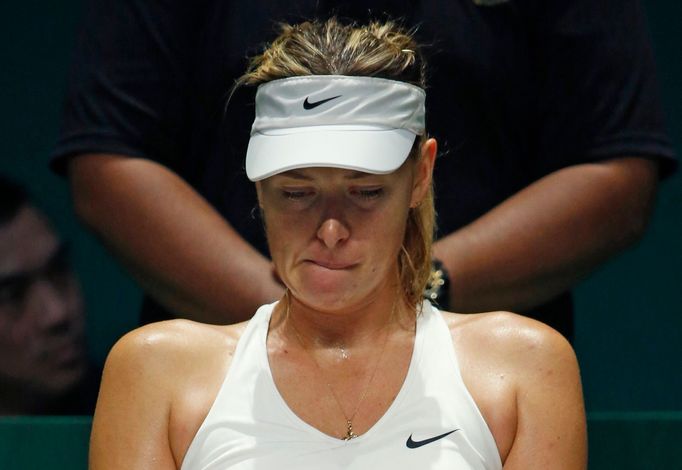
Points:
(332, 232)
(50, 304)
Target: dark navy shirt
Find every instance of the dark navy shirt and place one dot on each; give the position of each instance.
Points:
(517, 89)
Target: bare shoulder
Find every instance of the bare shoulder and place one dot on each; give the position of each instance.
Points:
(174, 340)
(515, 340)
(157, 385)
(161, 352)
(507, 361)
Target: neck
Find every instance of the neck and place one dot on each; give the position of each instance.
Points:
(350, 327)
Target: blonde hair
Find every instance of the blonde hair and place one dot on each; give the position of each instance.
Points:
(376, 50)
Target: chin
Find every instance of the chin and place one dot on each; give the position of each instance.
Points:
(328, 296)
(63, 379)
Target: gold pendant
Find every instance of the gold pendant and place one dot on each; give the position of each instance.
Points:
(349, 434)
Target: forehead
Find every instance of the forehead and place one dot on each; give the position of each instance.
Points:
(26, 242)
(331, 174)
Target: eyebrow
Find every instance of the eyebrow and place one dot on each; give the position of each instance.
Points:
(356, 175)
(58, 255)
(297, 175)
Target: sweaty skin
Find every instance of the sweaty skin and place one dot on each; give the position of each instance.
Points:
(160, 380)
(518, 371)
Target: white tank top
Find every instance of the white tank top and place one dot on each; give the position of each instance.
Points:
(433, 422)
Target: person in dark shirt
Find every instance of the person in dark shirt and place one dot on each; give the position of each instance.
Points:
(44, 366)
(548, 115)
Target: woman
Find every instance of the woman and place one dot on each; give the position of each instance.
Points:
(350, 369)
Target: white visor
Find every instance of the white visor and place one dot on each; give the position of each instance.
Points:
(359, 123)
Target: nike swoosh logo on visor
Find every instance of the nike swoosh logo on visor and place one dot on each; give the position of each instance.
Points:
(414, 444)
(310, 105)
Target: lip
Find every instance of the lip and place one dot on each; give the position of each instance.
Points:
(332, 265)
(65, 354)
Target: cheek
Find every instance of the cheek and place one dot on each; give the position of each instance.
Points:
(284, 233)
(75, 305)
(384, 230)
(16, 341)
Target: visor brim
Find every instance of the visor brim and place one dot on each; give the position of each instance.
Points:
(370, 151)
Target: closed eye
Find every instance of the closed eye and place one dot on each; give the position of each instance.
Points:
(372, 193)
(295, 195)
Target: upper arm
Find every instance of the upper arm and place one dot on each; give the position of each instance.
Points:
(551, 428)
(633, 207)
(102, 184)
(130, 426)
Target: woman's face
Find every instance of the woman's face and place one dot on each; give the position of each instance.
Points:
(335, 234)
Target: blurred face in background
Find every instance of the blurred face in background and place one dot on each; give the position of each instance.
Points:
(42, 346)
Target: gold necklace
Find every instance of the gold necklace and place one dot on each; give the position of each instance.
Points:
(350, 434)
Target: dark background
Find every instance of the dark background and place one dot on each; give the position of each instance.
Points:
(629, 313)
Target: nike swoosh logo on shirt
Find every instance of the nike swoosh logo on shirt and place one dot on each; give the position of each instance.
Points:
(314, 104)
(412, 444)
